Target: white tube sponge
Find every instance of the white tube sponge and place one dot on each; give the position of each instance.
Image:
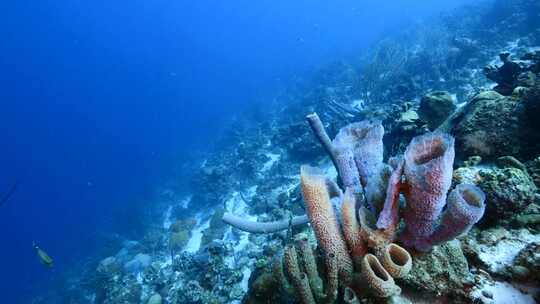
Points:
(263, 227)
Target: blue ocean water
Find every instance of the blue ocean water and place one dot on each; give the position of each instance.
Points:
(102, 101)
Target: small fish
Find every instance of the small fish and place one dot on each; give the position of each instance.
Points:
(44, 258)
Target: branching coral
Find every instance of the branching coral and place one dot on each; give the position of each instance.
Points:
(357, 247)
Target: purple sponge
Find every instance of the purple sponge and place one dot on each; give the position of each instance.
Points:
(342, 151)
(465, 207)
(368, 156)
(368, 148)
(428, 172)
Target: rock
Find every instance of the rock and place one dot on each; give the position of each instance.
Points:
(108, 267)
(493, 292)
(520, 92)
(263, 288)
(177, 240)
(409, 116)
(533, 167)
(183, 225)
(490, 127)
(299, 142)
(505, 76)
(510, 162)
(119, 290)
(531, 105)
(439, 272)
(138, 263)
(528, 262)
(435, 108)
(496, 250)
(508, 192)
(216, 229)
(519, 273)
(155, 299)
(398, 299)
(487, 293)
(527, 220)
(472, 161)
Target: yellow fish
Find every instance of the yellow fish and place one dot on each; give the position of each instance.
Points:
(44, 258)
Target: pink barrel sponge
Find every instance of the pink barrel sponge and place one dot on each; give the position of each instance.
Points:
(428, 177)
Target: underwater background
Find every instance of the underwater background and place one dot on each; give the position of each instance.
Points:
(122, 119)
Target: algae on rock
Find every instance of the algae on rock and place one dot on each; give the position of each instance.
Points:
(440, 272)
(435, 108)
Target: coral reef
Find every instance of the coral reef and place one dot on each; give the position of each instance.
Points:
(346, 241)
(508, 190)
(384, 216)
(442, 272)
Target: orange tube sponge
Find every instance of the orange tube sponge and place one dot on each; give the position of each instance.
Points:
(396, 260)
(351, 229)
(323, 219)
(378, 280)
(332, 277)
(310, 266)
(299, 279)
(279, 275)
